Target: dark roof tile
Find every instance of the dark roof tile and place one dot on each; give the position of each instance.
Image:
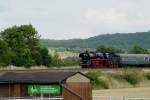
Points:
(35, 77)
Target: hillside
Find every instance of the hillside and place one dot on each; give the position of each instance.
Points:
(120, 40)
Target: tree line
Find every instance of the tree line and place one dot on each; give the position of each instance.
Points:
(135, 49)
(118, 40)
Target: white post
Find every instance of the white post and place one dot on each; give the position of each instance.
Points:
(110, 98)
(42, 96)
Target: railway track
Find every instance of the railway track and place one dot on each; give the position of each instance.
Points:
(100, 69)
(79, 69)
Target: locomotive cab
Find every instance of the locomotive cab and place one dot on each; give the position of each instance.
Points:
(84, 59)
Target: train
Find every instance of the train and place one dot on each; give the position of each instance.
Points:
(96, 59)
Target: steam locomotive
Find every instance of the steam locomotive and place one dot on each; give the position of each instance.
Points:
(95, 59)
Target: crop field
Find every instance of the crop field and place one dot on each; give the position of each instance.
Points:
(63, 54)
(66, 54)
(141, 92)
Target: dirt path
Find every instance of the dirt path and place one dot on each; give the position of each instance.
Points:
(125, 92)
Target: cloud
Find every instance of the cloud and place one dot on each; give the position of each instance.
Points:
(127, 16)
(109, 19)
(76, 18)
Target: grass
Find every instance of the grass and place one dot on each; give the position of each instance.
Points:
(97, 81)
(133, 77)
(122, 79)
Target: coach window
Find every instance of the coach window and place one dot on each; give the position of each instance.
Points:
(146, 58)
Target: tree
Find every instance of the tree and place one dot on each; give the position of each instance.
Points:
(46, 59)
(23, 42)
(103, 48)
(137, 49)
(56, 60)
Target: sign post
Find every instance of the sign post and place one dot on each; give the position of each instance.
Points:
(44, 89)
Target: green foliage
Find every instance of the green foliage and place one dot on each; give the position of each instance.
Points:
(117, 76)
(103, 83)
(6, 54)
(46, 59)
(137, 49)
(22, 48)
(97, 81)
(147, 75)
(121, 79)
(70, 62)
(95, 77)
(103, 48)
(131, 76)
(56, 61)
(23, 59)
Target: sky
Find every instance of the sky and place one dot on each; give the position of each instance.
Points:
(67, 19)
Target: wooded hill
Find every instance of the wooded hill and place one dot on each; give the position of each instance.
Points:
(119, 40)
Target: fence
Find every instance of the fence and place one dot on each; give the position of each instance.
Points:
(28, 98)
(117, 98)
(137, 99)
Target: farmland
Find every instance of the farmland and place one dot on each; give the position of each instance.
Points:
(63, 54)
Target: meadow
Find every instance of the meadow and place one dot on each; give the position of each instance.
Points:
(129, 78)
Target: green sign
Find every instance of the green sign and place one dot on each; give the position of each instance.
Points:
(44, 89)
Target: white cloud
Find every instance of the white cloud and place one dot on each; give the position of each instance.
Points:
(77, 18)
(109, 19)
(124, 16)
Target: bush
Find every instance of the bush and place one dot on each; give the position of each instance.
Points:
(104, 83)
(105, 48)
(117, 76)
(95, 77)
(97, 81)
(137, 49)
(70, 62)
(55, 60)
(132, 76)
(147, 76)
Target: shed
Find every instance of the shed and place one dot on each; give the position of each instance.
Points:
(68, 85)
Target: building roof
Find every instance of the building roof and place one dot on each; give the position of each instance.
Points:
(34, 77)
(134, 55)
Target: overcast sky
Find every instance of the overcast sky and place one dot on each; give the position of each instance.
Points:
(65, 19)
